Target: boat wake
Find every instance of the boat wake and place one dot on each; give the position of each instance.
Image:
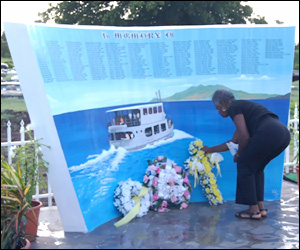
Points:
(109, 160)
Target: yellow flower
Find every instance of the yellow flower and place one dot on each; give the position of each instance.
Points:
(199, 143)
(200, 153)
(212, 181)
(216, 192)
(204, 160)
(190, 164)
(211, 175)
(194, 150)
(214, 201)
(205, 182)
(219, 198)
(207, 168)
(207, 190)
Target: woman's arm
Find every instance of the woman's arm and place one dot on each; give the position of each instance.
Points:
(222, 147)
(243, 135)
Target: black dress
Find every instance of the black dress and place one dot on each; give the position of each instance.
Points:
(268, 138)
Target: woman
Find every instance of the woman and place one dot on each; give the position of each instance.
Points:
(261, 137)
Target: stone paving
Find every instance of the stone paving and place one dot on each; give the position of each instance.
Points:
(199, 226)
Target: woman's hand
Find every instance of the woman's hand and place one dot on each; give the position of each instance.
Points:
(235, 158)
(206, 150)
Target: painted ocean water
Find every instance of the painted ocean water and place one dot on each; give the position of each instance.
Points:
(96, 167)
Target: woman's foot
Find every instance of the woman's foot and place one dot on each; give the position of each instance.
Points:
(263, 212)
(248, 215)
(262, 209)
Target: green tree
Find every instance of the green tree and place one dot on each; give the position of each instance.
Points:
(149, 13)
(4, 47)
(296, 57)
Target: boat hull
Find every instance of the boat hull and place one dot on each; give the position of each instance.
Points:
(140, 139)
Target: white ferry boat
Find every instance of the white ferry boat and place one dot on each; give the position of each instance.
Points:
(136, 126)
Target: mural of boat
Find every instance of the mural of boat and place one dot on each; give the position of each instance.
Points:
(135, 127)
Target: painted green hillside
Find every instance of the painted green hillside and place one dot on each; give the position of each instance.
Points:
(205, 93)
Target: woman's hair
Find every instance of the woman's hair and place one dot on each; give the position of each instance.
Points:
(222, 95)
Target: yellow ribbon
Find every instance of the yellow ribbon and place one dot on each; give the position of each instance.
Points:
(196, 177)
(135, 210)
(218, 168)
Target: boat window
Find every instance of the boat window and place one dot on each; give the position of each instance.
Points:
(150, 111)
(163, 126)
(156, 129)
(148, 131)
(159, 109)
(145, 111)
(155, 110)
(120, 135)
(124, 135)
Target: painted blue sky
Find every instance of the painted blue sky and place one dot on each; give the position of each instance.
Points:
(272, 75)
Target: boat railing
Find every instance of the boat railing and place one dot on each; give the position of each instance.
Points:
(128, 122)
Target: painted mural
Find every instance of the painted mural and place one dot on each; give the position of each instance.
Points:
(122, 96)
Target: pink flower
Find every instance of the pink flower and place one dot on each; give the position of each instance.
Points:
(186, 180)
(187, 194)
(171, 182)
(155, 181)
(160, 158)
(155, 197)
(183, 206)
(158, 170)
(162, 210)
(173, 198)
(178, 169)
(151, 168)
(164, 204)
(146, 178)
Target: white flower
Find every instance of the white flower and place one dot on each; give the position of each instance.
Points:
(12, 150)
(29, 127)
(168, 186)
(123, 195)
(197, 165)
(216, 158)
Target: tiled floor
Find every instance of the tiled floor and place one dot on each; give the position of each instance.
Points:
(198, 226)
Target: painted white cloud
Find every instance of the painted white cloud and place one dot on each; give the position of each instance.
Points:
(265, 77)
(251, 78)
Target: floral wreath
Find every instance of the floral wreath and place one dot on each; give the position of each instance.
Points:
(131, 199)
(200, 165)
(168, 184)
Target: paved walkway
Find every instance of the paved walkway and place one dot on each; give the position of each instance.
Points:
(198, 226)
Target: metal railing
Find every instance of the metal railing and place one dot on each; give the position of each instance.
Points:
(9, 145)
(290, 157)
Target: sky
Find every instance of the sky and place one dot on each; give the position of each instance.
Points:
(285, 11)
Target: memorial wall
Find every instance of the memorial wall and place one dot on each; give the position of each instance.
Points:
(107, 99)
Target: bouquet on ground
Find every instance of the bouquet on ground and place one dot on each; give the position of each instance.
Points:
(200, 166)
(169, 184)
(131, 199)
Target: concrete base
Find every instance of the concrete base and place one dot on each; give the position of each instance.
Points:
(198, 226)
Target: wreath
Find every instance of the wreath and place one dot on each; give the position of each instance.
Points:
(200, 166)
(169, 184)
(128, 194)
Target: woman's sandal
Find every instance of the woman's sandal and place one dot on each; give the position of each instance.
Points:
(252, 216)
(263, 212)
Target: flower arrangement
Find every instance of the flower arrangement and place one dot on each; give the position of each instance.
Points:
(200, 165)
(125, 194)
(168, 184)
